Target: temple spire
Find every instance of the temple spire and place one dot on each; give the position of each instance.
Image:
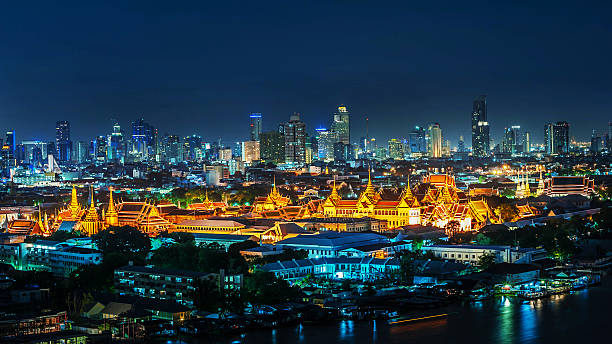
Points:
(74, 203)
(111, 204)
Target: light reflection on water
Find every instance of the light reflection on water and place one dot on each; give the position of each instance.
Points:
(558, 319)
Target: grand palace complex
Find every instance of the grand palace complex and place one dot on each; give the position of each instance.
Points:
(435, 202)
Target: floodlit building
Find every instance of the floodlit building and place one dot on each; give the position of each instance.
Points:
(437, 202)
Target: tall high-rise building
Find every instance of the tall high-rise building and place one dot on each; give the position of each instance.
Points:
(596, 142)
(116, 145)
(341, 125)
(295, 140)
(272, 147)
(417, 142)
(35, 152)
(511, 141)
(62, 141)
(325, 144)
(10, 144)
(434, 144)
(250, 151)
(82, 153)
(100, 146)
(193, 147)
(527, 142)
(172, 151)
(480, 128)
(255, 126)
(144, 139)
(396, 149)
(556, 137)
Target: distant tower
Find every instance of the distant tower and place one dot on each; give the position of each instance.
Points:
(62, 141)
(480, 128)
(255, 126)
(341, 125)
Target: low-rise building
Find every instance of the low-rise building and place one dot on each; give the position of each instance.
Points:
(224, 240)
(60, 258)
(472, 253)
(364, 269)
(343, 224)
(337, 244)
(164, 284)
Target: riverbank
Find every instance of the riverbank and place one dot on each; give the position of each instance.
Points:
(560, 318)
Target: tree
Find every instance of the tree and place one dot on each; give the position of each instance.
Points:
(507, 212)
(486, 260)
(180, 237)
(125, 240)
(262, 287)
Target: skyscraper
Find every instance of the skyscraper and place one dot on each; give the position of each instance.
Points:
(396, 149)
(62, 141)
(250, 151)
(341, 125)
(556, 137)
(435, 141)
(295, 140)
(10, 144)
(144, 139)
(480, 128)
(255, 126)
(325, 144)
(417, 142)
(527, 142)
(272, 147)
(511, 142)
(116, 145)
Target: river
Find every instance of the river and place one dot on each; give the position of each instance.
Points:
(580, 317)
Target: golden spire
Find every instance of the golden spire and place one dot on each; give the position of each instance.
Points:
(111, 202)
(92, 214)
(407, 191)
(274, 190)
(334, 192)
(74, 203)
(370, 188)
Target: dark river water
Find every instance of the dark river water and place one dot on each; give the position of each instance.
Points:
(581, 317)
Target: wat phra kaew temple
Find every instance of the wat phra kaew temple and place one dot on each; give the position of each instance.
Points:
(434, 202)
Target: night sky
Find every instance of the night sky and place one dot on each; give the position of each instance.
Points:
(201, 67)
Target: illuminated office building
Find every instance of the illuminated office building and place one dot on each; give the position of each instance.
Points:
(396, 149)
(250, 151)
(255, 126)
(325, 143)
(480, 128)
(434, 143)
(511, 142)
(556, 138)
(116, 145)
(272, 147)
(294, 132)
(62, 141)
(341, 125)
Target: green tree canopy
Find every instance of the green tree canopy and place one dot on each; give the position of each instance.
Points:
(125, 240)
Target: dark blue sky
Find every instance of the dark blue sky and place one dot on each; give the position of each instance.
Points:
(201, 67)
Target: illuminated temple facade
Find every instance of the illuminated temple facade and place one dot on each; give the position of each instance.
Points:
(436, 202)
(87, 220)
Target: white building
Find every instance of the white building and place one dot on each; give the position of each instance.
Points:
(472, 253)
(60, 258)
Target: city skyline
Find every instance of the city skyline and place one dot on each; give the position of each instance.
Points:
(97, 73)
